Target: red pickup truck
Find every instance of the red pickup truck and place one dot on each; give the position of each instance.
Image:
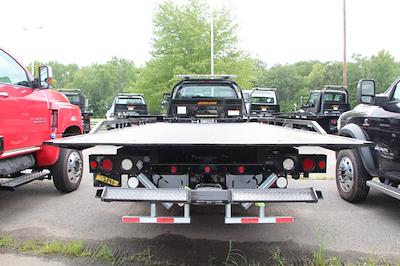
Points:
(31, 113)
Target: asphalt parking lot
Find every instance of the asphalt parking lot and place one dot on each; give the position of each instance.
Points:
(39, 211)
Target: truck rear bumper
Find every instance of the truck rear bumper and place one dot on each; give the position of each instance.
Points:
(208, 196)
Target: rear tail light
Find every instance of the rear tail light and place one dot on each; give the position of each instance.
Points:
(321, 165)
(207, 169)
(173, 169)
(93, 164)
(308, 165)
(106, 165)
(333, 121)
(241, 169)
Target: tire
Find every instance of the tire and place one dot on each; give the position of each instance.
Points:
(67, 172)
(351, 176)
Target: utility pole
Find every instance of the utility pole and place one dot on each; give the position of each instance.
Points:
(27, 29)
(344, 45)
(212, 43)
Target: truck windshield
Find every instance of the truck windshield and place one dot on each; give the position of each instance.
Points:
(268, 100)
(129, 101)
(206, 91)
(10, 71)
(73, 99)
(335, 97)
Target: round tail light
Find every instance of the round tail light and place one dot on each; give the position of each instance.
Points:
(106, 165)
(308, 165)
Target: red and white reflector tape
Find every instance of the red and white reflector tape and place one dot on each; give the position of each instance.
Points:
(155, 220)
(259, 220)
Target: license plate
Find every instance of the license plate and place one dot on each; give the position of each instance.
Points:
(264, 108)
(335, 107)
(130, 108)
(107, 180)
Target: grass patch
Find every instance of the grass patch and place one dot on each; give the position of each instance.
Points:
(277, 257)
(145, 258)
(7, 241)
(73, 248)
(104, 253)
(235, 257)
(30, 246)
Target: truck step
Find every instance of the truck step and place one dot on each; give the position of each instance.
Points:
(209, 196)
(22, 180)
(274, 195)
(144, 194)
(389, 190)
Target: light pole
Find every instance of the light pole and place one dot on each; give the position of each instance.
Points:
(33, 58)
(344, 45)
(212, 42)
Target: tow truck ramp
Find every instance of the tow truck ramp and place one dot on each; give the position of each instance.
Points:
(208, 195)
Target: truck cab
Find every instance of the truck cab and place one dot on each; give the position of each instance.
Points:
(203, 97)
(127, 105)
(331, 100)
(323, 106)
(31, 114)
(75, 96)
(376, 118)
(263, 102)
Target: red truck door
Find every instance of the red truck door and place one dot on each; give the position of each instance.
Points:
(24, 115)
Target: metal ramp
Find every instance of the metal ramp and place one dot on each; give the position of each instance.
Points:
(225, 196)
(24, 179)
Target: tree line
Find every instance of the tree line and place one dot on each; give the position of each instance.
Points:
(181, 45)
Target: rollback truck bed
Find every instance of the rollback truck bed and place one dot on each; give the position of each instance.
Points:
(220, 161)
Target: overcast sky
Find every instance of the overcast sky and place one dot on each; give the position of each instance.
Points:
(279, 31)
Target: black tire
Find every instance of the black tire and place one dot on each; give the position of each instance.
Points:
(67, 172)
(351, 176)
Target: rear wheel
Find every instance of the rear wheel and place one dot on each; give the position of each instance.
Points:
(351, 177)
(67, 172)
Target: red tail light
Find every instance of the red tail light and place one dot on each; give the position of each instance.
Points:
(106, 165)
(207, 169)
(321, 165)
(93, 164)
(241, 169)
(173, 169)
(308, 164)
(333, 121)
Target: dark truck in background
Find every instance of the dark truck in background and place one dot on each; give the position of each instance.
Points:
(127, 105)
(323, 106)
(199, 97)
(377, 119)
(205, 152)
(75, 96)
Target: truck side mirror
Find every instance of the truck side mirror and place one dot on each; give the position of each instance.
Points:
(366, 91)
(45, 77)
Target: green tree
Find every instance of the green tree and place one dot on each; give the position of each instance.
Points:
(181, 45)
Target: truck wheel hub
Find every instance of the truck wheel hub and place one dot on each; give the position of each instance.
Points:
(346, 174)
(74, 167)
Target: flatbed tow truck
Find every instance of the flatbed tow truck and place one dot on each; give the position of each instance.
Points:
(323, 106)
(203, 159)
